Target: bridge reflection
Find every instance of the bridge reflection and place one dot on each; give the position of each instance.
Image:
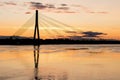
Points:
(54, 75)
(36, 62)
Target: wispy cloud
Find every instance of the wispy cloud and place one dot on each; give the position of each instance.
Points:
(88, 10)
(56, 8)
(72, 32)
(92, 34)
(10, 3)
(1, 4)
(86, 34)
(27, 12)
(66, 8)
(61, 8)
(37, 5)
(7, 3)
(75, 37)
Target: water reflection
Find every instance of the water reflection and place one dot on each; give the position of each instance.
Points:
(36, 62)
(60, 62)
(52, 75)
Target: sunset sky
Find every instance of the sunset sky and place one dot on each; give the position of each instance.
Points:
(92, 17)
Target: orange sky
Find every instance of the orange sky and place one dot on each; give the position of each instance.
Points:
(86, 15)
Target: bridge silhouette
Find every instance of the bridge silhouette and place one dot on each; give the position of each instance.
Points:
(56, 32)
(47, 25)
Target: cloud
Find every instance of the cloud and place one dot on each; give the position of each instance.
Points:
(27, 12)
(64, 5)
(58, 8)
(10, 3)
(50, 6)
(103, 12)
(1, 4)
(87, 10)
(73, 32)
(75, 37)
(93, 12)
(37, 5)
(92, 34)
(70, 12)
(84, 35)
(63, 8)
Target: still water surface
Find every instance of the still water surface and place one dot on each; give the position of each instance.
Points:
(60, 62)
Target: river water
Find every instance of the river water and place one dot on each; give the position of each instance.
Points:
(60, 62)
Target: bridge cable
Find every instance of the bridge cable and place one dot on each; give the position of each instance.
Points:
(47, 25)
(70, 27)
(24, 27)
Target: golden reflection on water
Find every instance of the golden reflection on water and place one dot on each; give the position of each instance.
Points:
(53, 75)
(60, 62)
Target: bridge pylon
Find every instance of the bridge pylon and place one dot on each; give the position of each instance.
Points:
(36, 29)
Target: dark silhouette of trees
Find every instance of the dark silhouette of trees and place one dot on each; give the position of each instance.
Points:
(30, 41)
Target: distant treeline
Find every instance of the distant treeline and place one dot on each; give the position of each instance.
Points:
(28, 41)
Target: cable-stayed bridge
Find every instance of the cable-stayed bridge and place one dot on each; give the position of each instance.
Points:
(44, 25)
(46, 30)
